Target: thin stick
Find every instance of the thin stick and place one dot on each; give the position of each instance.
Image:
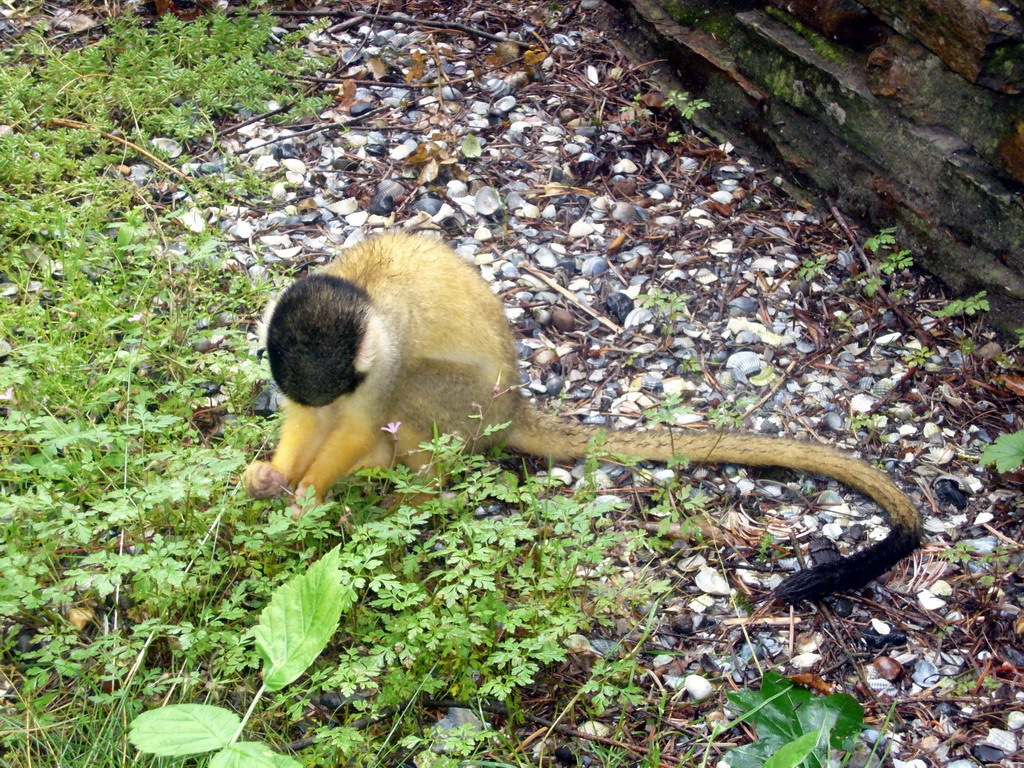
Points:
(89, 127)
(568, 294)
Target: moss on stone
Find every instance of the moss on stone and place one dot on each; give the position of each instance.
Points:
(714, 22)
(822, 45)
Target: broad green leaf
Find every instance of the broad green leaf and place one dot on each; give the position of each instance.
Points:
(755, 755)
(299, 620)
(183, 729)
(784, 713)
(471, 146)
(251, 754)
(792, 754)
(1007, 452)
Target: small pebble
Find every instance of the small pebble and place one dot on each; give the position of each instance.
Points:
(563, 320)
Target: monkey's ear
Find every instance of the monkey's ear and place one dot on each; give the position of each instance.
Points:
(263, 324)
(372, 344)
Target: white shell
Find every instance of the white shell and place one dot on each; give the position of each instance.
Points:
(805, 660)
(698, 687)
(711, 581)
(390, 187)
(881, 685)
(581, 228)
(344, 207)
(596, 728)
(577, 644)
(486, 201)
(1002, 740)
(862, 403)
(168, 146)
(705, 276)
(744, 362)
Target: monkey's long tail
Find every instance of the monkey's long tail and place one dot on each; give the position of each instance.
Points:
(542, 434)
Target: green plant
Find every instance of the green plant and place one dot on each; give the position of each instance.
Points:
(812, 268)
(969, 306)
(916, 357)
(670, 305)
(171, 81)
(730, 413)
(891, 260)
(883, 239)
(793, 726)
(686, 105)
(293, 629)
(1006, 453)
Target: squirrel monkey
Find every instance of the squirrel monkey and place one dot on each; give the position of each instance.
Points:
(399, 328)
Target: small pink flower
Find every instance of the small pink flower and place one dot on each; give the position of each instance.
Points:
(392, 429)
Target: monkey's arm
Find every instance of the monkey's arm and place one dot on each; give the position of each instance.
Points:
(352, 442)
(317, 446)
(302, 433)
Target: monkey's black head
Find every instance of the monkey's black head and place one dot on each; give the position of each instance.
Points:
(314, 336)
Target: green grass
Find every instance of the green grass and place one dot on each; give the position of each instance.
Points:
(130, 563)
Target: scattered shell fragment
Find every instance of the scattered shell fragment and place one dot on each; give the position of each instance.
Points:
(581, 228)
(1000, 739)
(744, 362)
(578, 644)
(169, 147)
(711, 581)
(888, 667)
(862, 403)
(595, 728)
(486, 201)
(929, 601)
(805, 660)
(698, 687)
(193, 220)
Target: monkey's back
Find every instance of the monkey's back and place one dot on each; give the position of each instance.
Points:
(445, 308)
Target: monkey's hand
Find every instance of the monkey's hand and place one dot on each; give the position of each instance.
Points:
(263, 481)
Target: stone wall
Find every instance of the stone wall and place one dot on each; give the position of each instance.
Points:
(906, 114)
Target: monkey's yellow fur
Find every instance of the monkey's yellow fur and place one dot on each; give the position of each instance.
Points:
(437, 351)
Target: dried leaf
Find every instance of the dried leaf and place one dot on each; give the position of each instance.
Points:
(417, 69)
(1013, 383)
(80, 618)
(429, 172)
(378, 67)
(653, 99)
(346, 94)
(504, 53)
(534, 57)
(186, 14)
(471, 146)
(428, 152)
(812, 681)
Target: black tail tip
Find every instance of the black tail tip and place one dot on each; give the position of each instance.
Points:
(846, 573)
(812, 584)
